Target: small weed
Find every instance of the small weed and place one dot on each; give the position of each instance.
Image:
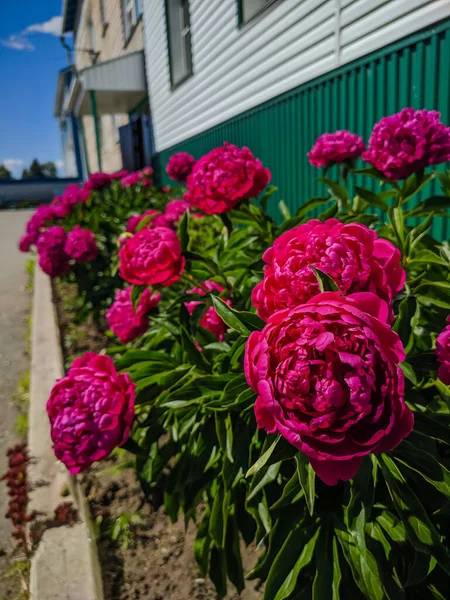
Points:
(28, 334)
(29, 268)
(21, 399)
(123, 529)
(21, 425)
(74, 336)
(20, 568)
(124, 460)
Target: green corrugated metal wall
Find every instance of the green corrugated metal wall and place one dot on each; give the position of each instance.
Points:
(413, 72)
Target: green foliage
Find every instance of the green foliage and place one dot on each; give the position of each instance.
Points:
(380, 534)
(5, 173)
(38, 170)
(383, 534)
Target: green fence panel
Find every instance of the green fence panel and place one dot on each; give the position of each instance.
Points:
(412, 72)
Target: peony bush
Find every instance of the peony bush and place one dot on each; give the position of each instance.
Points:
(283, 384)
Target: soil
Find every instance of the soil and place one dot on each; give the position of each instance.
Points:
(159, 562)
(76, 338)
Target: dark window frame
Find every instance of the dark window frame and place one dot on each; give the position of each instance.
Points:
(134, 25)
(104, 17)
(174, 85)
(240, 12)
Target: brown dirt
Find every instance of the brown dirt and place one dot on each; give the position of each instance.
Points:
(76, 339)
(159, 564)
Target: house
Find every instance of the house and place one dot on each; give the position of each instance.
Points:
(108, 92)
(275, 74)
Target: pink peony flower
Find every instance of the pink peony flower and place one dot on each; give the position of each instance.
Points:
(407, 142)
(159, 220)
(210, 320)
(147, 171)
(328, 380)
(119, 174)
(175, 210)
(335, 147)
(131, 179)
(165, 189)
(443, 353)
(25, 243)
(180, 166)
(98, 181)
(54, 263)
(353, 255)
(123, 321)
(42, 216)
(52, 258)
(91, 411)
(52, 238)
(74, 195)
(223, 177)
(60, 208)
(152, 257)
(145, 182)
(81, 245)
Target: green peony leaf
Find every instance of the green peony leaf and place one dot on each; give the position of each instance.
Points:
(425, 465)
(230, 316)
(218, 571)
(372, 198)
(193, 354)
(202, 543)
(262, 460)
(427, 257)
(307, 478)
(334, 188)
(136, 294)
(298, 549)
(325, 282)
(362, 563)
(419, 528)
(183, 231)
(235, 570)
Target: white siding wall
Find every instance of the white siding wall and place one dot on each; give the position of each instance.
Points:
(292, 42)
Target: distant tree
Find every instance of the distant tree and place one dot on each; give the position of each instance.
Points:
(38, 170)
(50, 169)
(5, 173)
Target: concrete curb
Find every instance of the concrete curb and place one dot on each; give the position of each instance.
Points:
(65, 565)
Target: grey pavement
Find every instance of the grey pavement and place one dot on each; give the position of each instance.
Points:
(14, 305)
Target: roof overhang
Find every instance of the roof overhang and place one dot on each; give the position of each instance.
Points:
(119, 85)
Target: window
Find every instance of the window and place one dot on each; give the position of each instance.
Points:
(104, 13)
(132, 10)
(179, 40)
(250, 8)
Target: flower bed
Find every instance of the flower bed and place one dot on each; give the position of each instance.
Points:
(285, 386)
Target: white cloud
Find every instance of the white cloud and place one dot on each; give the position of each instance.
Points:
(53, 27)
(59, 164)
(17, 42)
(20, 41)
(13, 163)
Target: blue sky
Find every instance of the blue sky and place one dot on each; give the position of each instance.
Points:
(30, 58)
